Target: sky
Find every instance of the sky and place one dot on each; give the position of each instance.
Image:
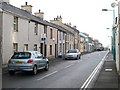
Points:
(87, 15)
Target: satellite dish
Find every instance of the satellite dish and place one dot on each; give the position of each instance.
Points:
(113, 5)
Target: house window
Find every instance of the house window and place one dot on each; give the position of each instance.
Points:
(50, 49)
(63, 48)
(68, 37)
(51, 33)
(15, 24)
(70, 46)
(36, 29)
(60, 35)
(25, 47)
(35, 47)
(63, 36)
(45, 30)
(60, 47)
(15, 47)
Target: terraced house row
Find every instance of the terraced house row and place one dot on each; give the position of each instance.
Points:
(21, 30)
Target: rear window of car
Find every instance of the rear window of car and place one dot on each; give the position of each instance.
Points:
(21, 55)
(72, 51)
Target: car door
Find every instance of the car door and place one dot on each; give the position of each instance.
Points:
(36, 59)
(41, 60)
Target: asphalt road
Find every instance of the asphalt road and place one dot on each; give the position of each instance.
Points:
(62, 74)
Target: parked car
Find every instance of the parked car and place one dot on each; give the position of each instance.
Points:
(73, 54)
(100, 49)
(27, 61)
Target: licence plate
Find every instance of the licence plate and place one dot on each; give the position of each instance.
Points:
(18, 62)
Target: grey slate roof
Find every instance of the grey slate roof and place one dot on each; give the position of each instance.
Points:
(23, 13)
(72, 28)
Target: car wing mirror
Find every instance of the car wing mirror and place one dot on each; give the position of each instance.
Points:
(38, 56)
(44, 57)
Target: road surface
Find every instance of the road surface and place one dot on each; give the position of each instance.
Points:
(61, 74)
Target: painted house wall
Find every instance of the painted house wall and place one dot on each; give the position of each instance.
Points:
(117, 41)
(7, 49)
(25, 35)
(52, 41)
(1, 31)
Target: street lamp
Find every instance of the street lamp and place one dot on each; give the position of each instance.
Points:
(113, 31)
(107, 28)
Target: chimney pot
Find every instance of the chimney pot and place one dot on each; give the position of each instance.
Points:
(39, 10)
(25, 3)
(60, 16)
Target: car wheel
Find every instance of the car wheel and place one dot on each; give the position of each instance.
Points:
(34, 72)
(79, 57)
(11, 72)
(47, 67)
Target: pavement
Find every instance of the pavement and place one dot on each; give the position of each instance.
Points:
(108, 78)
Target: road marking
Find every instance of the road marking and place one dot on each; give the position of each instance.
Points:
(47, 75)
(108, 70)
(54, 72)
(89, 79)
(68, 66)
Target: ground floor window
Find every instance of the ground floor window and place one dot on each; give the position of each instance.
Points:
(25, 47)
(15, 47)
(35, 47)
(50, 49)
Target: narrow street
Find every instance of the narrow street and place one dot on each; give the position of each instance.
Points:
(62, 74)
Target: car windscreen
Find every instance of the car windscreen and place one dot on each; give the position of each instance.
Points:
(72, 51)
(21, 55)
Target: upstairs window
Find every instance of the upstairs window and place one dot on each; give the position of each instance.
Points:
(60, 35)
(36, 29)
(63, 36)
(51, 33)
(15, 24)
(45, 30)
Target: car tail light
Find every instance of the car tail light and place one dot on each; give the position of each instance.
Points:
(9, 61)
(30, 61)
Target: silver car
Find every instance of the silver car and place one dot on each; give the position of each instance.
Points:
(73, 54)
(27, 61)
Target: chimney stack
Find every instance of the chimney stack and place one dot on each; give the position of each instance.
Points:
(27, 7)
(59, 18)
(69, 24)
(75, 27)
(39, 14)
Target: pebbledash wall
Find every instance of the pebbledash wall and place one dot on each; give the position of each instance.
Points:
(1, 30)
(25, 35)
